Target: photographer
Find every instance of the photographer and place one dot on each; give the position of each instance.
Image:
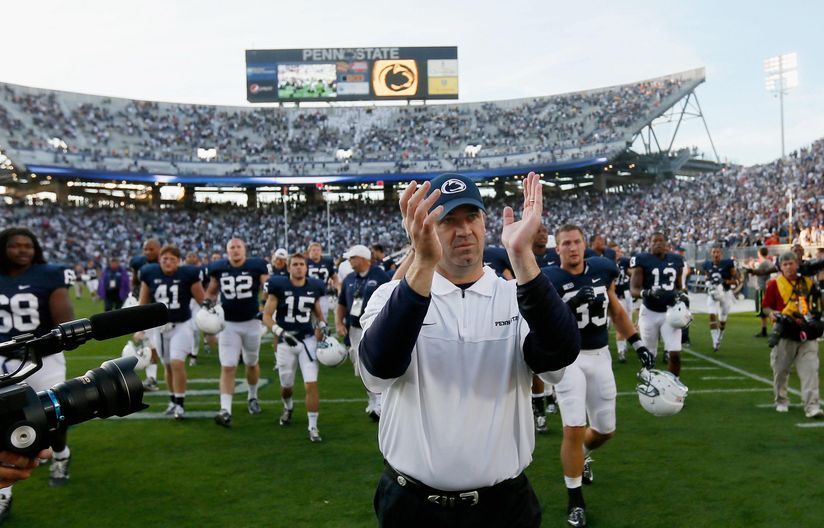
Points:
(793, 303)
(34, 297)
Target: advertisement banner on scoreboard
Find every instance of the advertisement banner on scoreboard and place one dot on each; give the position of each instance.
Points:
(351, 74)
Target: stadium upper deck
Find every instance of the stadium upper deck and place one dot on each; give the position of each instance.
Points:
(77, 132)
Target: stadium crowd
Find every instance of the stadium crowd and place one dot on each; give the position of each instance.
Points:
(739, 207)
(97, 130)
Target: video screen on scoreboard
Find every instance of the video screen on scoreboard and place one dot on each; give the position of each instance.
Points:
(352, 74)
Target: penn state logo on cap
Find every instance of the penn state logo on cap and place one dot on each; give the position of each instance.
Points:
(456, 190)
(453, 186)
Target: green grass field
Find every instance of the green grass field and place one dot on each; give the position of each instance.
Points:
(728, 459)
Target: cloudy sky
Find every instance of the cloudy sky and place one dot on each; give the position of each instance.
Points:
(193, 51)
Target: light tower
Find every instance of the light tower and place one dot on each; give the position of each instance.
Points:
(781, 75)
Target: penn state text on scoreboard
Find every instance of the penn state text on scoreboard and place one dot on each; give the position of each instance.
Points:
(351, 74)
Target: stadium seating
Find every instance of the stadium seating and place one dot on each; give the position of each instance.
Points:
(737, 207)
(55, 128)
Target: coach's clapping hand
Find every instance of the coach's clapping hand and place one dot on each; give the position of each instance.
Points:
(420, 222)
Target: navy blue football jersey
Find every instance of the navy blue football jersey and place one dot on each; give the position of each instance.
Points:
(321, 270)
(24, 299)
(599, 273)
(175, 290)
(294, 311)
(203, 273)
(549, 258)
(138, 262)
(622, 282)
(497, 259)
(658, 273)
(239, 287)
(719, 273)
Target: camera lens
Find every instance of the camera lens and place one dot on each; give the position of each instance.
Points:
(111, 389)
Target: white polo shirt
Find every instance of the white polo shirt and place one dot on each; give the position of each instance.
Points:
(460, 417)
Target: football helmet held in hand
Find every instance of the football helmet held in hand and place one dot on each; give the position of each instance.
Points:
(679, 316)
(210, 320)
(331, 352)
(660, 392)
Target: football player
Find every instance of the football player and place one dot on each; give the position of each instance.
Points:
(151, 253)
(323, 269)
(290, 306)
(379, 257)
(622, 292)
(34, 297)
(587, 390)
(722, 277)
(497, 259)
(173, 285)
(598, 248)
(656, 279)
(238, 280)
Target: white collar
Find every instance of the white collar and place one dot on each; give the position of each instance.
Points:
(483, 286)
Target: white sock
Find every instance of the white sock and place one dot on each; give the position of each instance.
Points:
(226, 402)
(622, 347)
(180, 395)
(714, 332)
(313, 420)
(587, 451)
(252, 391)
(288, 403)
(5, 492)
(151, 371)
(573, 482)
(66, 453)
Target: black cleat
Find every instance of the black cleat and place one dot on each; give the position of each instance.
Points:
(577, 517)
(223, 418)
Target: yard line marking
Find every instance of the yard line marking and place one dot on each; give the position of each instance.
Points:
(743, 372)
(719, 378)
(772, 405)
(807, 425)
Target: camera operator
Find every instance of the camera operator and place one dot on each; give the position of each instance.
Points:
(34, 297)
(14, 467)
(793, 303)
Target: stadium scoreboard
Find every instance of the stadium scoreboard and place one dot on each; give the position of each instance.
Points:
(351, 74)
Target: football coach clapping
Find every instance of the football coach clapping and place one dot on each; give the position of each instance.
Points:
(453, 347)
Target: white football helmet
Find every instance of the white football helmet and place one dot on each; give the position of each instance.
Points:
(142, 353)
(679, 316)
(210, 320)
(331, 352)
(717, 292)
(660, 392)
(130, 301)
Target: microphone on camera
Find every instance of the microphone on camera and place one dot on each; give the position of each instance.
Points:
(107, 325)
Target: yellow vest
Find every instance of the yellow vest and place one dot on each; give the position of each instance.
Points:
(794, 294)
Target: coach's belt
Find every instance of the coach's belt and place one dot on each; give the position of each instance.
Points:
(448, 499)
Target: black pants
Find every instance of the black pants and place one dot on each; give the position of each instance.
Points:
(399, 506)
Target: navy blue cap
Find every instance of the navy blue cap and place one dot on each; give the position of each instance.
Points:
(456, 190)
